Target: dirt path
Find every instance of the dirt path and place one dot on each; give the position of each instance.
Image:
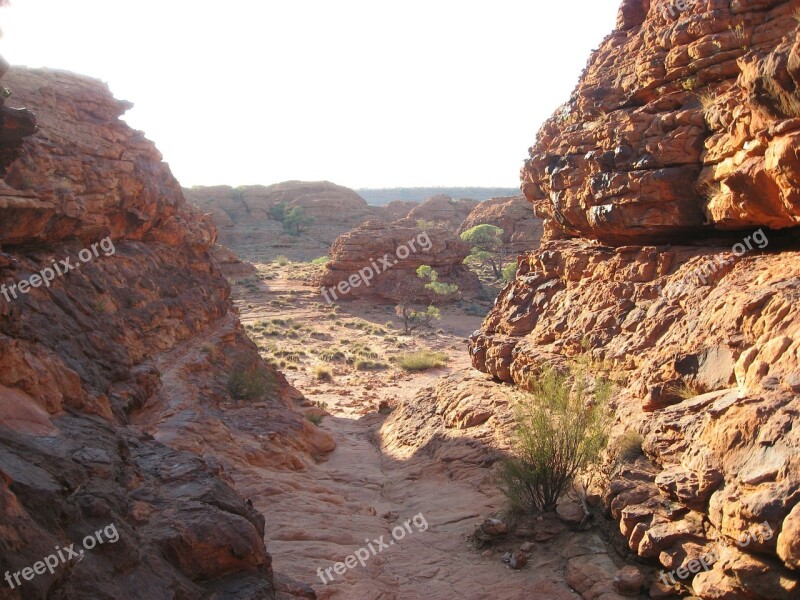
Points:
(338, 506)
(403, 521)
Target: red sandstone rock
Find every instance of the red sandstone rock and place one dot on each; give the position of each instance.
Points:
(242, 216)
(679, 123)
(522, 229)
(364, 247)
(444, 211)
(111, 349)
(681, 132)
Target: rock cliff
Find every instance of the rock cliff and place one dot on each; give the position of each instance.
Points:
(108, 290)
(684, 121)
(668, 184)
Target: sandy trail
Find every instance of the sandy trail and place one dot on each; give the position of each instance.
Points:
(321, 509)
(356, 494)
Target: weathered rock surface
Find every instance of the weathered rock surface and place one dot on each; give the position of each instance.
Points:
(111, 347)
(680, 139)
(682, 122)
(522, 229)
(393, 252)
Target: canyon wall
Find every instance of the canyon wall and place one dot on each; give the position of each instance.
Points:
(668, 186)
(108, 289)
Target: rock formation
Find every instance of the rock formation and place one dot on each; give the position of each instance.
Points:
(393, 252)
(668, 184)
(98, 360)
(682, 121)
(243, 215)
(522, 229)
(443, 210)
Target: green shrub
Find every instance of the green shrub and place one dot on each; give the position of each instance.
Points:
(249, 383)
(322, 373)
(314, 418)
(422, 360)
(560, 430)
(366, 364)
(509, 272)
(322, 260)
(627, 447)
(282, 260)
(332, 355)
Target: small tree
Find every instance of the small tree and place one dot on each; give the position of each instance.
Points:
(295, 220)
(249, 380)
(561, 430)
(277, 211)
(407, 308)
(488, 247)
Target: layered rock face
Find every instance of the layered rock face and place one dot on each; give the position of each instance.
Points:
(522, 229)
(389, 255)
(107, 285)
(685, 119)
(682, 130)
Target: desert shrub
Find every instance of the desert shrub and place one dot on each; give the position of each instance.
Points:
(560, 431)
(509, 272)
(366, 364)
(627, 447)
(684, 390)
(282, 260)
(322, 260)
(315, 418)
(322, 373)
(249, 383)
(422, 360)
(332, 355)
(362, 351)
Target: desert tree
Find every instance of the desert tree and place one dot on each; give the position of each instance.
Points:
(488, 247)
(410, 307)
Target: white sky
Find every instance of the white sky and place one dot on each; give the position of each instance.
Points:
(362, 93)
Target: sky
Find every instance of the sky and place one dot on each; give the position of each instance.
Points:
(361, 93)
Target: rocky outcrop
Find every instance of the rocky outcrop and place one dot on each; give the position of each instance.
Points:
(243, 215)
(389, 255)
(108, 292)
(684, 120)
(444, 211)
(667, 184)
(522, 230)
(398, 209)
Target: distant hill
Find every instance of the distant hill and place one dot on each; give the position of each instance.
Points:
(382, 196)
